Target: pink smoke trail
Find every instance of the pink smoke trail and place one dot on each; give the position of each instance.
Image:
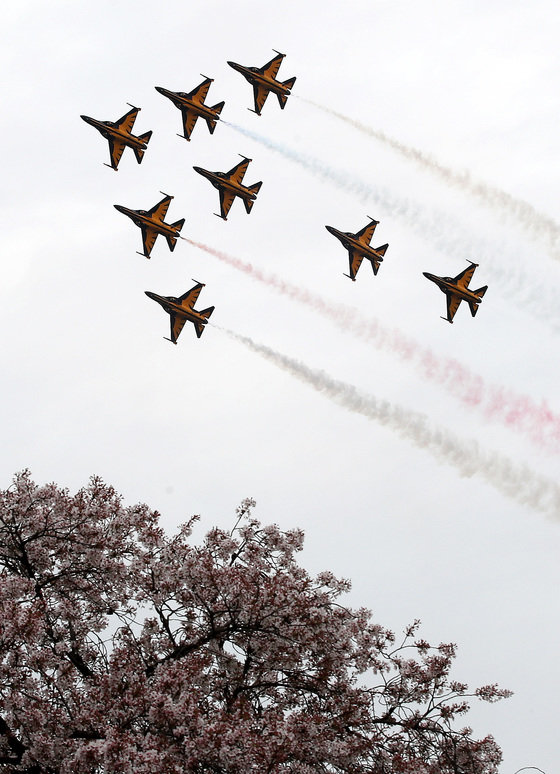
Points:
(520, 483)
(518, 412)
(538, 225)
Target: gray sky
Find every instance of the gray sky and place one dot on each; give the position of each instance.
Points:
(90, 386)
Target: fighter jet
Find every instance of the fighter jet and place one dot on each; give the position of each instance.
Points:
(229, 185)
(263, 80)
(151, 223)
(192, 106)
(456, 289)
(119, 134)
(182, 310)
(358, 246)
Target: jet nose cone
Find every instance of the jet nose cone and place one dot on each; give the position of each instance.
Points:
(334, 231)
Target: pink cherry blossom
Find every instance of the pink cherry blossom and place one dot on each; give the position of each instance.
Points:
(124, 650)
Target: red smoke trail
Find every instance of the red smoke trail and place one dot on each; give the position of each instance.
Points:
(518, 482)
(518, 412)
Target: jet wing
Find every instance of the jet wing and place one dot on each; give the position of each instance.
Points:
(149, 237)
(159, 210)
(116, 148)
(366, 233)
(271, 68)
(226, 200)
(188, 299)
(465, 276)
(236, 174)
(453, 302)
(356, 259)
(261, 93)
(199, 93)
(127, 121)
(189, 120)
(177, 325)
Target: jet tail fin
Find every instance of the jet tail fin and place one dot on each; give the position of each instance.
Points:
(139, 152)
(474, 304)
(171, 239)
(212, 121)
(382, 250)
(254, 189)
(198, 325)
(283, 98)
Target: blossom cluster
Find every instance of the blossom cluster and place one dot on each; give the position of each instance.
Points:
(125, 650)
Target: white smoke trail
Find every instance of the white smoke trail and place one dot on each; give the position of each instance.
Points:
(539, 226)
(515, 411)
(442, 231)
(518, 482)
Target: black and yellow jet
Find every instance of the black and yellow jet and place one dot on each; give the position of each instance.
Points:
(152, 224)
(229, 185)
(358, 246)
(192, 106)
(456, 289)
(181, 310)
(119, 134)
(263, 80)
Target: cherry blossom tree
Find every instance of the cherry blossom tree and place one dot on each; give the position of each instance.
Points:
(125, 650)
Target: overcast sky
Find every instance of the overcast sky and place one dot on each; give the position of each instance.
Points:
(89, 386)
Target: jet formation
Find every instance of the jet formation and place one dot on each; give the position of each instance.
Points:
(358, 246)
(263, 81)
(230, 185)
(181, 310)
(119, 134)
(152, 224)
(192, 106)
(456, 289)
